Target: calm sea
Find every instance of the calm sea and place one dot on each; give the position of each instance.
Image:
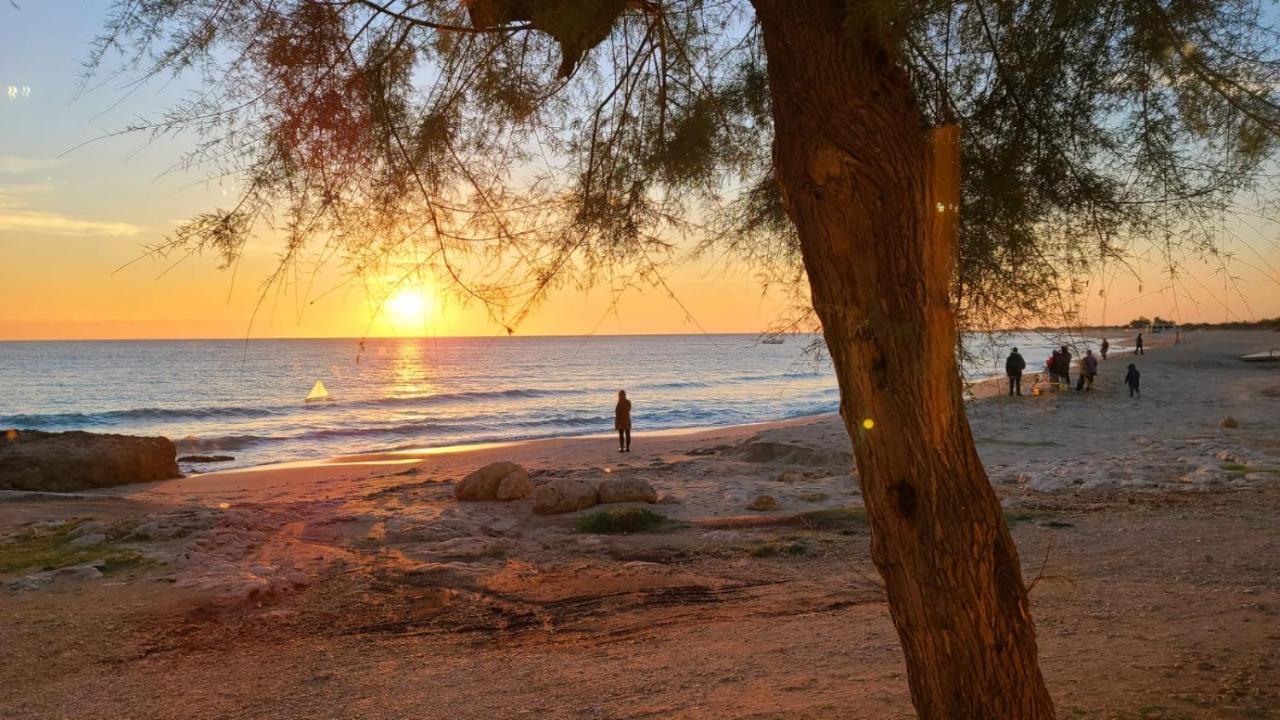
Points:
(246, 398)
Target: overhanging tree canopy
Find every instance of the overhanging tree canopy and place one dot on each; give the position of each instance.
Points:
(560, 137)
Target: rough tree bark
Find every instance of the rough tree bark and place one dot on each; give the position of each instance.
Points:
(853, 162)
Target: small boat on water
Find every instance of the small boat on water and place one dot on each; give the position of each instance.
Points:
(319, 393)
(1265, 356)
(772, 340)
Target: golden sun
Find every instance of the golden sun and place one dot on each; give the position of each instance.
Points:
(408, 306)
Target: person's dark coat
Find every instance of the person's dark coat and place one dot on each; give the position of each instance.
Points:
(1062, 362)
(622, 415)
(1090, 364)
(1132, 377)
(1014, 365)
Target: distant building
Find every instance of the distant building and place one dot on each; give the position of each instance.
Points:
(1161, 327)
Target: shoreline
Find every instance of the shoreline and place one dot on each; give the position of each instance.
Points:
(974, 391)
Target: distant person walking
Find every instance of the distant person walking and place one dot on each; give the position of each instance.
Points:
(1013, 367)
(1131, 379)
(1137, 346)
(1089, 369)
(1105, 347)
(622, 421)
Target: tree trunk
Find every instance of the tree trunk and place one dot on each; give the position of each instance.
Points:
(853, 163)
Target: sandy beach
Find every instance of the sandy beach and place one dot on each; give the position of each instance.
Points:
(360, 588)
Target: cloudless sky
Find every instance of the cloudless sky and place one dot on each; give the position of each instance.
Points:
(71, 214)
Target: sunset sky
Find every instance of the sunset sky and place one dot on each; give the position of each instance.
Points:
(71, 214)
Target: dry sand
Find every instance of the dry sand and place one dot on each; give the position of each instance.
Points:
(358, 588)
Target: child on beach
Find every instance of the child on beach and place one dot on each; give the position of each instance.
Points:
(1131, 379)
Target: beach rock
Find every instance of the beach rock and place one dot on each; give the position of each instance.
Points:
(790, 476)
(563, 495)
(467, 548)
(669, 499)
(90, 527)
(625, 489)
(83, 571)
(495, 481)
(59, 462)
(205, 458)
(1229, 422)
(764, 502)
(298, 579)
(88, 540)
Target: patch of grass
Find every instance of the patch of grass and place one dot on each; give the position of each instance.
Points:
(50, 549)
(621, 520)
(1246, 469)
(797, 548)
(1014, 518)
(841, 519)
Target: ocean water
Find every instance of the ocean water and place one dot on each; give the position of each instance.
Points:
(246, 398)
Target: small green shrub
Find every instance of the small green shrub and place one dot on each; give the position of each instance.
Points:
(841, 519)
(620, 520)
(767, 550)
(1238, 468)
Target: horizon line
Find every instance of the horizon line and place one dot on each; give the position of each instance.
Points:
(499, 336)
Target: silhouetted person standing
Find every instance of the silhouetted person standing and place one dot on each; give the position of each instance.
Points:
(1137, 346)
(1131, 379)
(1013, 367)
(622, 421)
(1105, 347)
(1062, 366)
(1089, 369)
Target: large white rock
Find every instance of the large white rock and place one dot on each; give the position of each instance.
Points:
(495, 481)
(563, 495)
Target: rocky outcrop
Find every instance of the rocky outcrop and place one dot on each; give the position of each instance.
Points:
(625, 489)
(495, 481)
(61, 462)
(563, 495)
(764, 503)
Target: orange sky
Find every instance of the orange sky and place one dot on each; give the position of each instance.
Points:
(55, 284)
(70, 215)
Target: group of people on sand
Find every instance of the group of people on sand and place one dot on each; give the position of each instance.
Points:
(1057, 368)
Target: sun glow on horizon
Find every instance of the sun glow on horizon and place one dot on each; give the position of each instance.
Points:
(409, 307)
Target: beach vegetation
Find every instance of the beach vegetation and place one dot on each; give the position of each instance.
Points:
(1246, 469)
(1014, 518)
(849, 519)
(783, 548)
(901, 167)
(616, 521)
(35, 550)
